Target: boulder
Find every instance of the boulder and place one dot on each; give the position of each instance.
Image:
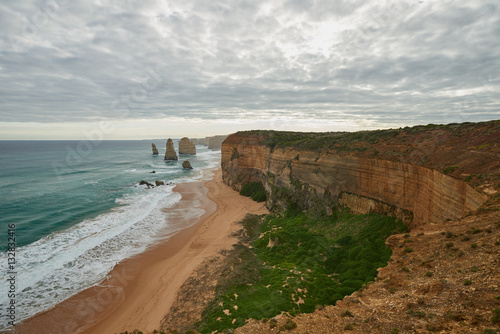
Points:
(145, 183)
(159, 183)
(186, 165)
(186, 146)
(155, 150)
(170, 153)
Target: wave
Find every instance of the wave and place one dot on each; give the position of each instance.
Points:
(66, 262)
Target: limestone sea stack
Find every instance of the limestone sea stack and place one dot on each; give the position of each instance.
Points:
(186, 165)
(186, 146)
(170, 153)
(155, 150)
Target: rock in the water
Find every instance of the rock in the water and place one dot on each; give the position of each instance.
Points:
(159, 183)
(186, 165)
(170, 153)
(155, 150)
(145, 183)
(186, 146)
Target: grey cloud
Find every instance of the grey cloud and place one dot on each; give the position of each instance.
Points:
(385, 61)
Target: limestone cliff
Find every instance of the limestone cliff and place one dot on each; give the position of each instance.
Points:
(186, 146)
(215, 142)
(379, 171)
(155, 150)
(170, 153)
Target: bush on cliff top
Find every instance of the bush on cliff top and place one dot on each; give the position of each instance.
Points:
(255, 190)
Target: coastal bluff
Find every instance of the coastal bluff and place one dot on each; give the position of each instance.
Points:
(420, 174)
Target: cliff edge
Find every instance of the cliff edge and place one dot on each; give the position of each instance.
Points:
(421, 174)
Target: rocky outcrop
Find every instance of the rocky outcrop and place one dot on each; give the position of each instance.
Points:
(186, 146)
(186, 165)
(146, 183)
(170, 153)
(159, 183)
(319, 180)
(155, 150)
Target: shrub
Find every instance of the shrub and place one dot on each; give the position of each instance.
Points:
(348, 327)
(290, 324)
(408, 250)
(489, 331)
(428, 274)
(347, 313)
(449, 244)
(449, 170)
(255, 190)
(467, 282)
(496, 316)
(474, 245)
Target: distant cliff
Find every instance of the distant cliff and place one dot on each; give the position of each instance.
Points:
(213, 142)
(421, 174)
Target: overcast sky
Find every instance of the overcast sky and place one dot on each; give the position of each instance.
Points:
(156, 69)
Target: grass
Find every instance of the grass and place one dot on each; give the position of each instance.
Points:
(308, 263)
(254, 190)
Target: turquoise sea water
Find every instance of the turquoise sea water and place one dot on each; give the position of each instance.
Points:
(79, 209)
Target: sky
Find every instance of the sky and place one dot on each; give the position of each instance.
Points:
(156, 69)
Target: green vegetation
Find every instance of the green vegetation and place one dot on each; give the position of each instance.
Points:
(449, 170)
(294, 263)
(255, 190)
(496, 316)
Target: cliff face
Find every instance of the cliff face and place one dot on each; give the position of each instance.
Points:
(319, 180)
(186, 146)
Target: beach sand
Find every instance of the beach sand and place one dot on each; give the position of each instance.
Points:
(140, 291)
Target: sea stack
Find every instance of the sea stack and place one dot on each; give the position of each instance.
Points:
(187, 165)
(170, 153)
(186, 146)
(155, 150)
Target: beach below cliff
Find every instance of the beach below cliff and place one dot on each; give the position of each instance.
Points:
(139, 292)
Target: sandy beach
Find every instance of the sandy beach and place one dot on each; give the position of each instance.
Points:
(140, 291)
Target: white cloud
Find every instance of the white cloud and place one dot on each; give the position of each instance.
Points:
(385, 62)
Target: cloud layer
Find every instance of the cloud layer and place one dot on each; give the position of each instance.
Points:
(383, 62)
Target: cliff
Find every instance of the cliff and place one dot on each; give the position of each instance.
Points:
(421, 174)
(170, 152)
(186, 146)
(213, 142)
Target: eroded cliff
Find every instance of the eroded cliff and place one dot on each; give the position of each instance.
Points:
(396, 172)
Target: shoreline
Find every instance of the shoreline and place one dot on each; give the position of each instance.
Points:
(140, 290)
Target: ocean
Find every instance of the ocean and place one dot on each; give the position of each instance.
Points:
(78, 210)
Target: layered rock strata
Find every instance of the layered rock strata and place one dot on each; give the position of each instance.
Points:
(320, 180)
(170, 153)
(186, 146)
